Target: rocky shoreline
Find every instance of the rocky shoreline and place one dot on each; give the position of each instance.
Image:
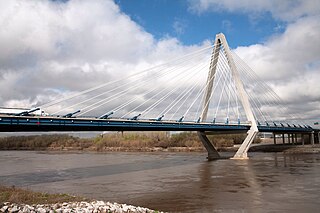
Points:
(79, 207)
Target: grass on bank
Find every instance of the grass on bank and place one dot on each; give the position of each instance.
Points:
(129, 140)
(23, 196)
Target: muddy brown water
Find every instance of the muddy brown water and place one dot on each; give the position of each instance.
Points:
(174, 182)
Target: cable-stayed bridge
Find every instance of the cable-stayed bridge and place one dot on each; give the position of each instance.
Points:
(211, 90)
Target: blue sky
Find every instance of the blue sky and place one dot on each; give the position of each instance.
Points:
(164, 18)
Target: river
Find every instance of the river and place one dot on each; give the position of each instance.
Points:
(174, 182)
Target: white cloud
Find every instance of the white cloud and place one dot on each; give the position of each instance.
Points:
(179, 26)
(68, 32)
(286, 10)
(290, 63)
(227, 26)
(51, 48)
(286, 56)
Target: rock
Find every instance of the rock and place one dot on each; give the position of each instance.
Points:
(58, 210)
(15, 209)
(79, 207)
(125, 208)
(30, 207)
(4, 208)
(26, 209)
(56, 206)
(41, 210)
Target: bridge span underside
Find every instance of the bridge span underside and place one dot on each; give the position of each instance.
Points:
(50, 124)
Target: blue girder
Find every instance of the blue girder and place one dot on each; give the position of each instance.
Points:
(46, 123)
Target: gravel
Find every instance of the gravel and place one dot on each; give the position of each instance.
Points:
(78, 207)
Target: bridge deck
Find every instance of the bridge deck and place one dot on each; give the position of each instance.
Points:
(46, 124)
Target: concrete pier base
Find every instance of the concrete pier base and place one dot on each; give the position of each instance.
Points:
(242, 152)
(213, 154)
(312, 138)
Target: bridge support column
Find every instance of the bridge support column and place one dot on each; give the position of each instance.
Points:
(213, 154)
(292, 138)
(283, 141)
(289, 139)
(302, 139)
(312, 138)
(242, 152)
(274, 139)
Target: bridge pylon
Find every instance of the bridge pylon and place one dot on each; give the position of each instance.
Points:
(220, 41)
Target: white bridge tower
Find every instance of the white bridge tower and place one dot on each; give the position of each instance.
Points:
(220, 42)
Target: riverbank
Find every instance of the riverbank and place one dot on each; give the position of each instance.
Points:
(20, 200)
(145, 142)
(128, 141)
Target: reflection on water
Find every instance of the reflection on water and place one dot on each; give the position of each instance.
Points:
(175, 182)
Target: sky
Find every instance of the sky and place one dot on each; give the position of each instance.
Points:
(191, 25)
(50, 49)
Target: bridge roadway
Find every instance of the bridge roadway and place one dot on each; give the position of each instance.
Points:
(10, 123)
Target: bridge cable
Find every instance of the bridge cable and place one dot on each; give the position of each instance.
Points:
(177, 100)
(198, 95)
(140, 83)
(254, 78)
(108, 83)
(256, 101)
(124, 92)
(166, 96)
(178, 74)
(224, 69)
(274, 97)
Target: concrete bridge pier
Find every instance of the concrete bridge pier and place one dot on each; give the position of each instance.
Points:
(316, 137)
(288, 138)
(283, 141)
(312, 138)
(292, 138)
(213, 154)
